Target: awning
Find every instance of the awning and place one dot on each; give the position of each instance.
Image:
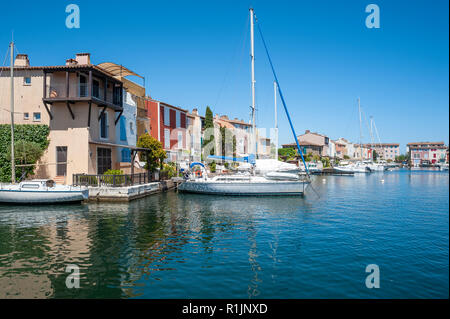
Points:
(117, 70)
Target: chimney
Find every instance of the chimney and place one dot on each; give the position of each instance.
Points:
(22, 60)
(83, 58)
(194, 112)
(307, 131)
(71, 62)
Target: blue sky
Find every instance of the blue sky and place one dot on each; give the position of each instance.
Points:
(196, 53)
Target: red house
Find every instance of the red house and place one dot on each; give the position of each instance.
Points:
(168, 125)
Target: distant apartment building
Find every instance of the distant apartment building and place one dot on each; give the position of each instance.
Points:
(363, 152)
(82, 103)
(422, 153)
(168, 124)
(386, 151)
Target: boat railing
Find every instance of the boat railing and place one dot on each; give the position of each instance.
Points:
(113, 180)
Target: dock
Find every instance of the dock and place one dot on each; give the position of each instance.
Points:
(332, 171)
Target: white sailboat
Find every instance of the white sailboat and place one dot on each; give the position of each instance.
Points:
(361, 166)
(37, 191)
(267, 177)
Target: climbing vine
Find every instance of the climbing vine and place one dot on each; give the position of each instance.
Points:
(31, 142)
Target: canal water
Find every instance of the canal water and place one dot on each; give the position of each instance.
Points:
(173, 245)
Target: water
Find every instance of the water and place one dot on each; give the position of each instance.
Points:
(198, 246)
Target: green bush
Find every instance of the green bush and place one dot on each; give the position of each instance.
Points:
(32, 141)
(212, 167)
(169, 170)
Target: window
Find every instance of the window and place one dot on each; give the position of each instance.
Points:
(95, 88)
(180, 139)
(27, 80)
(103, 160)
(166, 138)
(104, 127)
(116, 95)
(26, 116)
(61, 160)
(37, 116)
(131, 128)
(166, 116)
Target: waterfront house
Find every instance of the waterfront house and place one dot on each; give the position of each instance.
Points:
(82, 104)
(386, 151)
(314, 138)
(168, 125)
(423, 153)
(306, 147)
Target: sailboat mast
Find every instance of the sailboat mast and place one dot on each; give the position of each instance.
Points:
(13, 168)
(252, 55)
(360, 130)
(276, 118)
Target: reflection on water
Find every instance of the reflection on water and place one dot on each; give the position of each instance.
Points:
(180, 245)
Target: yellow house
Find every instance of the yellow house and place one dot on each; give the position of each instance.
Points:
(79, 101)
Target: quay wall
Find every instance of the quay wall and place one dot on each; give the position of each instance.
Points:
(126, 194)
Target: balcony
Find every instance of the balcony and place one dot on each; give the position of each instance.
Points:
(87, 86)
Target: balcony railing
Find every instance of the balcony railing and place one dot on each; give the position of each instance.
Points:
(115, 180)
(80, 90)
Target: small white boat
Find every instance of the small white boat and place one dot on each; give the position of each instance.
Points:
(353, 168)
(41, 191)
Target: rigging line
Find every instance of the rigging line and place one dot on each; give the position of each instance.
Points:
(282, 100)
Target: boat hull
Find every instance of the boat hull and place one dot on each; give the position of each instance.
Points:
(245, 188)
(42, 197)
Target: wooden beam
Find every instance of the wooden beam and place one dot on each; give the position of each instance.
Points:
(133, 155)
(103, 111)
(117, 119)
(67, 85)
(48, 111)
(90, 84)
(44, 93)
(105, 89)
(70, 110)
(89, 115)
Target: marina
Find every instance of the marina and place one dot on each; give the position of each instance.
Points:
(204, 152)
(173, 245)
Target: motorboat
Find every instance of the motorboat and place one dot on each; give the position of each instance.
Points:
(358, 167)
(41, 191)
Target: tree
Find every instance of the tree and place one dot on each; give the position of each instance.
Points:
(375, 155)
(209, 130)
(26, 153)
(155, 156)
(226, 133)
(288, 152)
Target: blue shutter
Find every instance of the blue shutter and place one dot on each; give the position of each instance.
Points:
(123, 129)
(126, 155)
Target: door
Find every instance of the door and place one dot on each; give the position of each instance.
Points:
(103, 160)
(61, 160)
(83, 86)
